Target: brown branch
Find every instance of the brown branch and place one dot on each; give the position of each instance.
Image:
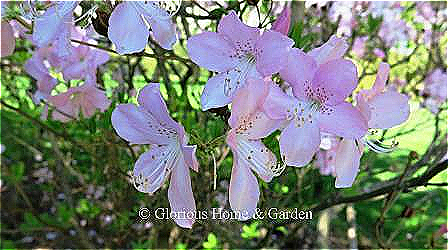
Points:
(43, 125)
(411, 183)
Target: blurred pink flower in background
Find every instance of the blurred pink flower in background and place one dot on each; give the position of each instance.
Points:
(359, 46)
(8, 40)
(86, 99)
(435, 89)
(37, 68)
(379, 53)
(83, 61)
(344, 11)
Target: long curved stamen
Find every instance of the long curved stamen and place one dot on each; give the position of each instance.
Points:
(380, 147)
(279, 168)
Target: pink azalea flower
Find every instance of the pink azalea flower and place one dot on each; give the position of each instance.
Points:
(345, 12)
(249, 124)
(359, 46)
(435, 90)
(84, 60)
(86, 98)
(54, 27)
(334, 48)
(8, 41)
(129, 31)
(36, 67)
(436, 85)
(382, 109)
(318, 104)
(150, 123)
(283, 21)
(379, 53)
(237, 51)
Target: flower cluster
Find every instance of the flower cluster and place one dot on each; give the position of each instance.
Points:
(307, 102)
(311, 97)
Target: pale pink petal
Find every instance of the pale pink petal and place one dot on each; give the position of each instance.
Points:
(221, 88)
(363, 105)
(344, 121)
(336, 79)
(243, 190)
(253, 154)
(231, 26)
(98, 99)
(75, 70)
(64, 109)
(300, 69)
(151, 100)
(380, 82)
(48, 27)
(87, 108)
(163, 28)
(212, 51)
(277, 103)
(298, 144)
(388, 109)
(151, 169)
(190, 157)
(127, 30)
(61, 44)
(283, 21)
(333, 49)
(181, 196)
(44, 87)
(35, 66)
(272, 53)
(347, 160)
(248, 100)
(8, 40)
(262, 126)
(137, 126)
(163, 31)
(99, 57)
(62, 98)
(381, 77)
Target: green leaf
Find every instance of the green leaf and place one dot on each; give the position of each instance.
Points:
(250, 232)
(211, 243)
(17, 172)
(30, 222)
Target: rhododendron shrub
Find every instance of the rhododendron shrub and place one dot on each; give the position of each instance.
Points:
(221, 124)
